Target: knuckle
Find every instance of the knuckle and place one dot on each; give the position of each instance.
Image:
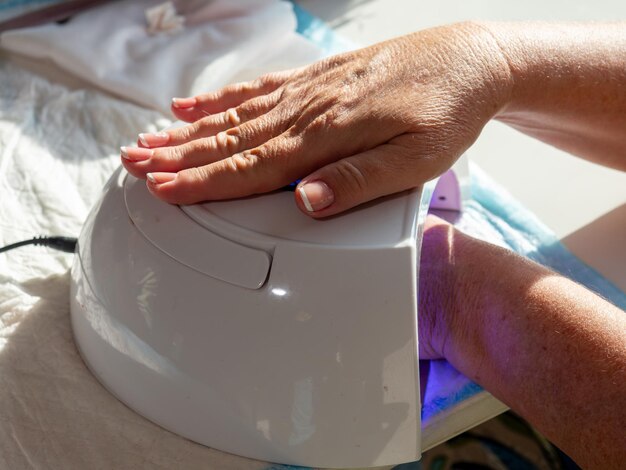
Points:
(244, 87)
(350, 178)
(261, 82)
(227, 142)
(244, 111)
(231, 117)
(243, 162)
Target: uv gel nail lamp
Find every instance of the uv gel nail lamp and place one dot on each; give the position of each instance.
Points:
(251, 328)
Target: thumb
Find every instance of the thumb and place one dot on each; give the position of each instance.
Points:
(341, 185)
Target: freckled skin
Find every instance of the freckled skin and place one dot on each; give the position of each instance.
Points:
(391, 116)
(547, 347)
(569, 86)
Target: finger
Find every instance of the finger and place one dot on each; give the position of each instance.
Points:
(203, 151)
(341, 185)
(194, 108)
(269, 166)
(211, 125)
(252, 171)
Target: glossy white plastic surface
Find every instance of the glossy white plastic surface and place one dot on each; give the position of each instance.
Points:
(251, 328)
(168, 227)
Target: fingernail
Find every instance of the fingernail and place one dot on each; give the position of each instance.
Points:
(183, 103)
(160, 178)
(135, 154)
(154, 140)
(316, 195)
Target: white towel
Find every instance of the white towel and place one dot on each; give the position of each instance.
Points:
(220, 42)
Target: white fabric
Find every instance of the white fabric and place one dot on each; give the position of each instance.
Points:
(57, 148)
(222, 41)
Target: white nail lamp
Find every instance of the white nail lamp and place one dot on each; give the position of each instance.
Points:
(251, 328)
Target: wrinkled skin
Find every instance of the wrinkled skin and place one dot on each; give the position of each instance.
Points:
(391, 116)
(366, 124)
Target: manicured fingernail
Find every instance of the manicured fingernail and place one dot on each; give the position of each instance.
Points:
(316, 195)
(160, 178)
(135, 154)
(183, 103)
(154, 140)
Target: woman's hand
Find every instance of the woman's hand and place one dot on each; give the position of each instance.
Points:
(354, 127)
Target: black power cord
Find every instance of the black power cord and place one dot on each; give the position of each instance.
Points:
(66, 244)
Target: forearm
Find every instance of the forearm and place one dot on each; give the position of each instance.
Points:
(569, 85)
(544, 345)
